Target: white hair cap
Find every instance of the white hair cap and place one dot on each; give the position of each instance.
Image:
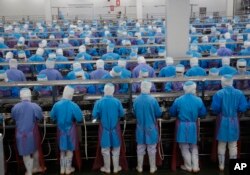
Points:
(50, 63)
(169, 61)
(13, 63)
(9, 55)
(100, 64)
(248, 26)
(76, 66)
(158, 30)
(194, 62)
(227, 80)
(225, 61)
(25, 94)
(82, 48)
(146, 87)
(59, 51)
(40, 51)
(68, 92)
(65, 40)
(246, 44)
(1, 40)
(141, 59)
(241, 62)
(122, 63)
(189, 87)
(109, 89)
(227, 35)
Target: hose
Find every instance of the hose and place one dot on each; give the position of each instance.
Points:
(161, 151)
(7, 160)
(44, 130)
(49, 150)
(124, 127)
(86, 139)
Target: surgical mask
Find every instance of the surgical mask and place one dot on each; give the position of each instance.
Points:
(179, 74)
(242, 69)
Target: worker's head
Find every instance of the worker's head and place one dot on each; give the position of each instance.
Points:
(246, 44)
(162, 53)
(213, 72)
(116, 71)
(169, 61)
(227, 35)
(189, 87)
(122, 63)
(194, 62)
(9, 55)
(82, 48)
(25, 94)
(52, 36)
(134, 49)
(133, 56)
(227, 80)
(109, 89)
(42, 77)
(241, 65)
(50, 63)
(151, 40)
(40, 51)
(65, 40)
(68, 92)
(213, 52)
(59, 51)
(143, 73)
(146, 87)
(225, 61)
(76, 66)
(43, 44)
(100, 64)
(194, 46)
(222, 43)
(110, 47)
(205, 39)
(21, 55)
(180, 69)
(13, 63)
(3, 76)
(141, 60)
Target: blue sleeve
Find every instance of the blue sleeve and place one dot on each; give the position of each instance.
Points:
(38, 112)
(121, 110)
(243, 103)
(216, 104)
(96, 111)
(157, 109)
(78, 115)
(161, 73)
(53, 114)
(168, 87)
(173, 109)
(203, 110)
(13, 113)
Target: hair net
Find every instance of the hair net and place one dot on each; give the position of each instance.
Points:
(227, 80)
(13, 63)
(110, 47)
(116, 71)
(25, 94)
(241, 62)
(194, 62)
(109, 89)
(50, 63)
(100, 64)
(143, 73)
(227, 35)
(68, 92)
(141, 59)
(179, 68)
(169, 61)
(59, 51)
(42, 77)
(214, 71)
(76, 66)
(82, 48)
(122, 63)
(189, 87)
(65, 40)
(9, 55)
(146, 87)
(40, 51)
(225, 61)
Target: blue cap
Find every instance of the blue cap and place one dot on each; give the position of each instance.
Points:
(134, 47)
(228, 77)
(20, 52)
(143, 70)
(214, 70)
(189, 83)
(117, 69)
(213, 50)
(111, 45)
(42, 77)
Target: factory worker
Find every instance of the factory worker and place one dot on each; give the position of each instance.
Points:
(134, 49)
(215, 34)
(246, 51)
(169, 69)
(26, 114)
(13, 73)
(126, 49)
(83, 54)
(213, 85)
(90, 49)
(131, 65)
(60, 57)
(205, 47)
(34, 42)
(73, 39)
(152, 50)
(147, 111)
(65, 45)
(115, 73)
(125, 73)
(7, 91)
(98, 73)
(86, 66)
(226, 68)
(109, 110)
(242, 70)
(187, 108)
(2, 44)
(142, 64)
(44, 91)
(139, 42)
(247, 30)
(210, 19)
(193, 51)
(159, 36)
(227, 103)
(38, 57)
(212, 63)
(110, 56)
(136, 87)
(176, 85)
(195, 69)
(79, 74)
(223, 51)
(52, 42)
(194, 32)
(65, 112)
(228, 40)
(50, 71)
(158, 65)
(22, 58)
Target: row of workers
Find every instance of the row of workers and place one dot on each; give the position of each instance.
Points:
(226, 103)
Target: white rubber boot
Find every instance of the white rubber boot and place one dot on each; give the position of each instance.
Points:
(69, 168)
(28, 162)
(153, 167)
(106, 161)
(116, 165)
(140, 159)
(195, 159)
(221, 159)
(62, 163)
(186, 155)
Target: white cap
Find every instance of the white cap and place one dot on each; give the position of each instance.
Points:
(169, 61)
(87, 40)
(227, 35)
(193, 29)
(82, 48)
(52, 36)
(194, 62)
(50, 63)
(189, 87)
(59, 51)
(1, 40)
(76, 66)
(225, 61)
(65, 40)
(141, 59)
(122, 63)
(109, 89)
(146, 87)
(241, 62)
(248, 26)
(43, 43)
(246, 44)
(3, 75)
(13, 63)
(180, 68)
(227, 80)
(158, 30)
(248, 36)
(40, 51)
(68, 92)
(25, 94)
(9, 55)
(100, 64)
(205, 38)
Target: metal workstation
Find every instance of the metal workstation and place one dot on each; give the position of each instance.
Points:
(57, 36)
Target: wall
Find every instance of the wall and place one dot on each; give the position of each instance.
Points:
(96, 8)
